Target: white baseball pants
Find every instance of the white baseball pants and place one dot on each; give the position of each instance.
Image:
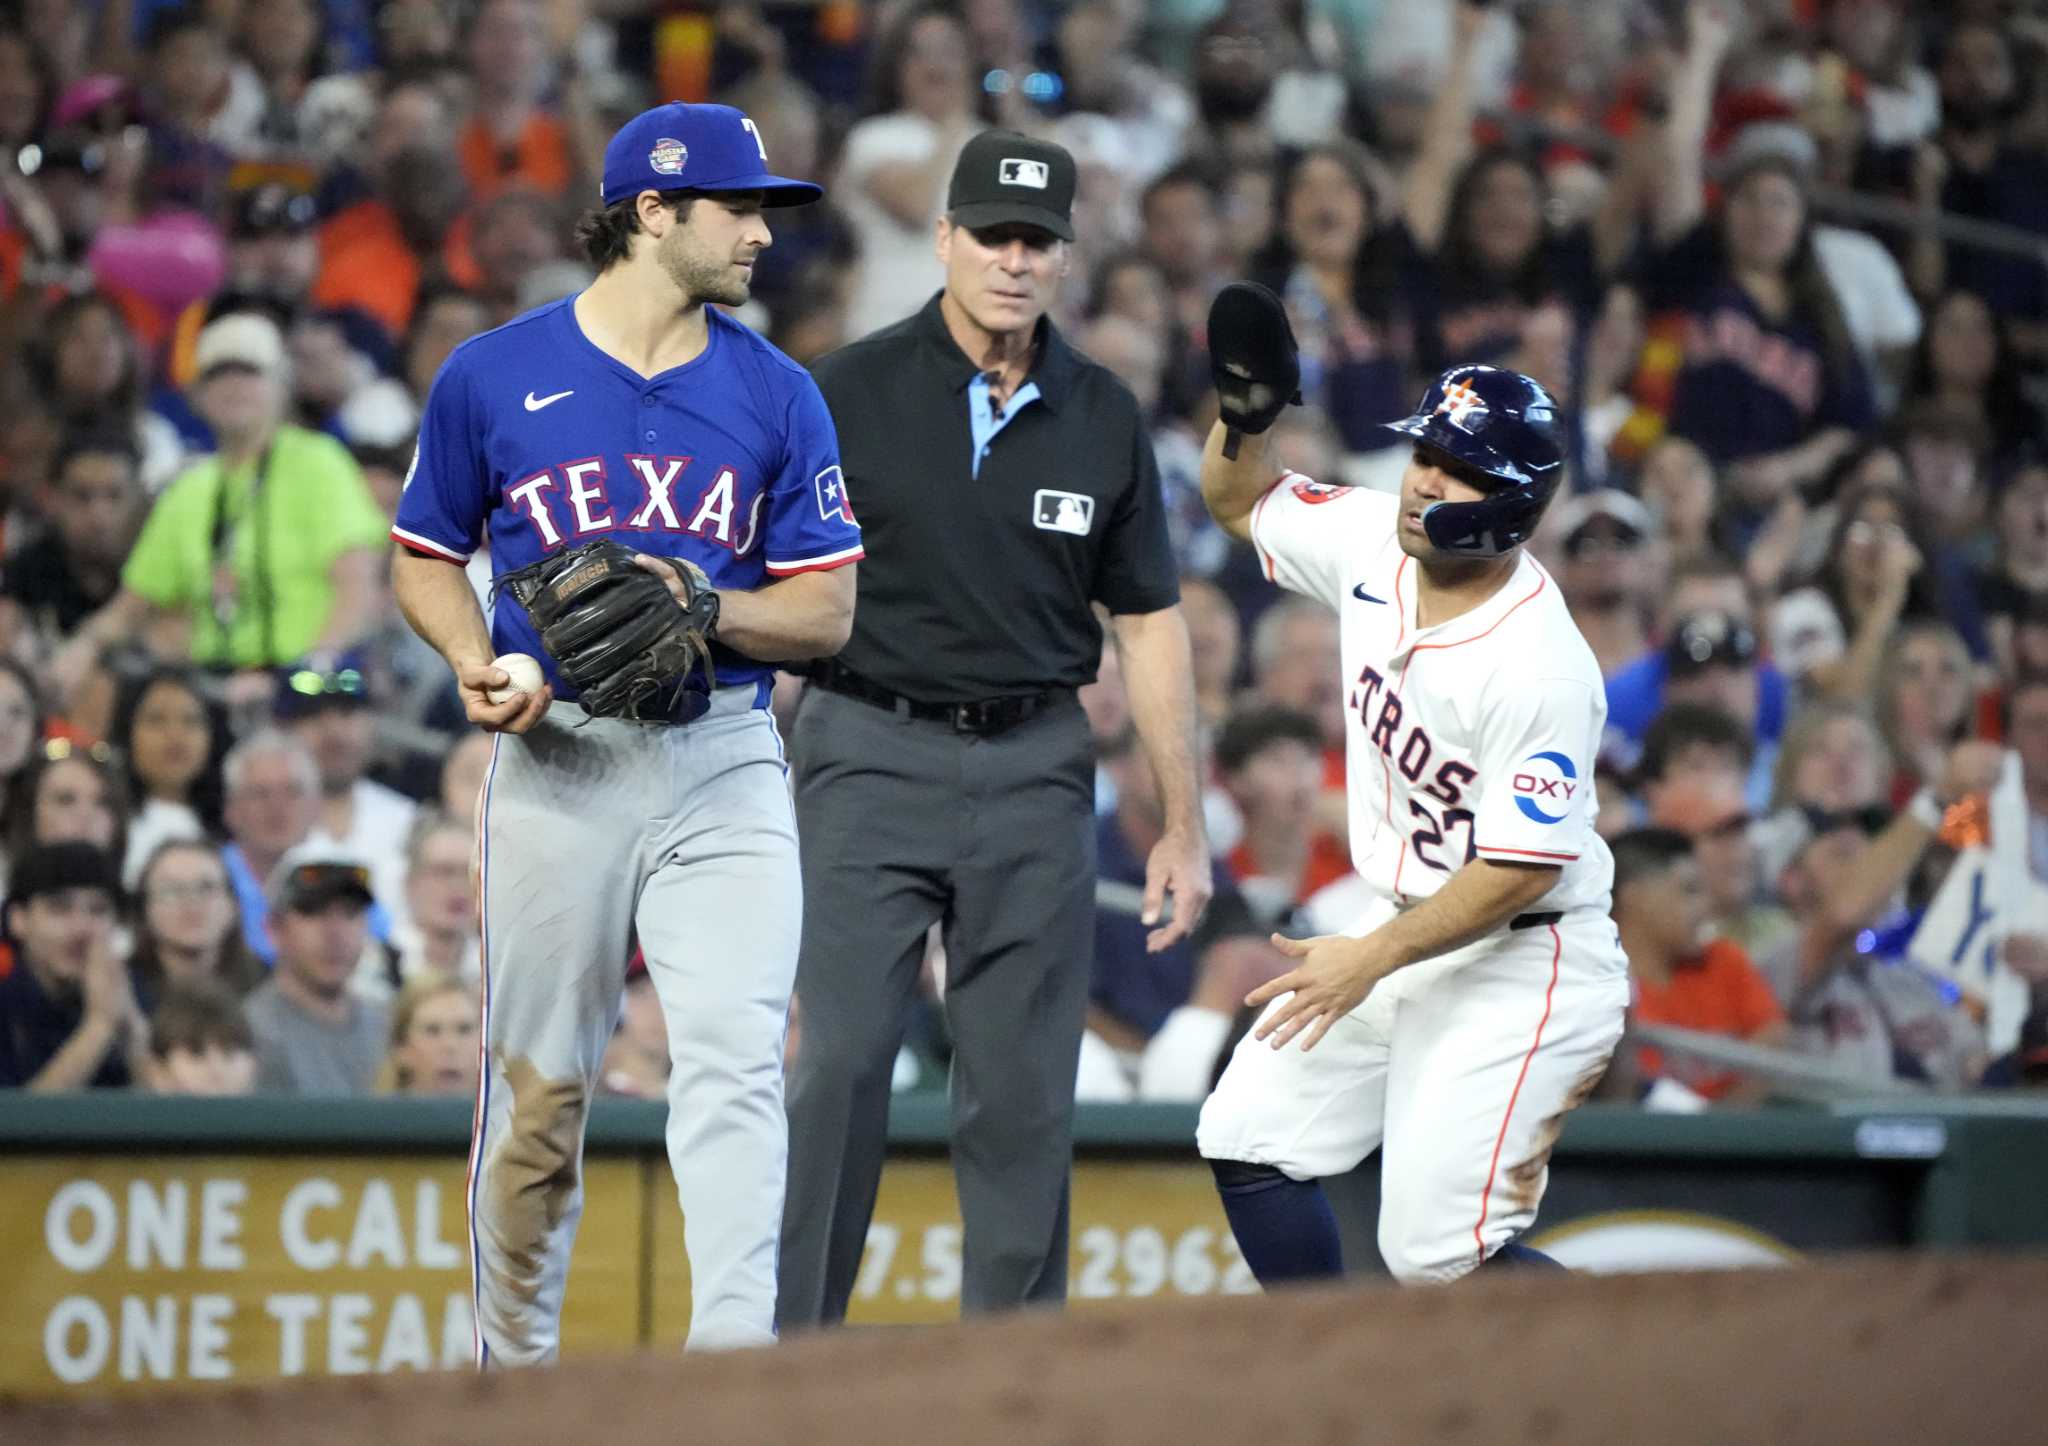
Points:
(1462, 1068)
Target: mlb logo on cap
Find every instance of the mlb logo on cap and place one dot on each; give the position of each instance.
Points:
(1004, 178)
(1016, 171)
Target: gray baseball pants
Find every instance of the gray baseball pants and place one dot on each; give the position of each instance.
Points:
(587, 835)
(904, 822)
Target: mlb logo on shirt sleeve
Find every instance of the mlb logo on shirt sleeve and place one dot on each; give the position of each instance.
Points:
(832, 499)
(1069, 512)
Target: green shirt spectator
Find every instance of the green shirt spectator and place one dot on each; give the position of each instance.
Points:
(268, 551)
(281, 535)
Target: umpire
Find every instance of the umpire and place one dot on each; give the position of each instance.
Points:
(1005, 486)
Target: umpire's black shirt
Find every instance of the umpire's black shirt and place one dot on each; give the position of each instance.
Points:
(978, 584)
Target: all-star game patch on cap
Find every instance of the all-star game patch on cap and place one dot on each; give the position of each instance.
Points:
(683, 147)
(1004, 177)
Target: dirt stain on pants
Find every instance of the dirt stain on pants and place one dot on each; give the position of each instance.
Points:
(532, 1181)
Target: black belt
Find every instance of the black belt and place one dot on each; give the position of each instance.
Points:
(982, 716)
(1535, 921)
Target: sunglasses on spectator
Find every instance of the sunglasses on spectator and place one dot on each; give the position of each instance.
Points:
(1873, 819)
(346, 683)
(56, 748)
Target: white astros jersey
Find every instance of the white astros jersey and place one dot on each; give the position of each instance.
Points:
(1475, 737)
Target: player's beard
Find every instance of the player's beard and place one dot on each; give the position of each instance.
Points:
(699, 276)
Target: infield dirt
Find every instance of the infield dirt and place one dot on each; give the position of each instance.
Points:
(1929, 1349)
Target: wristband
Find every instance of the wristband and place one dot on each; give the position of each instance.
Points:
(1926, 810)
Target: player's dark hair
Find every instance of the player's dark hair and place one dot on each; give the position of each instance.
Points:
(1685, 725)
(1643, 853)
(1251, 730)
(605, 233)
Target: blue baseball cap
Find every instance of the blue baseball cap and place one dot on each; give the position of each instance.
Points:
(683, 147)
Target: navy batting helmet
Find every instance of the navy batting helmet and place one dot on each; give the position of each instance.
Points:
(1505, 426)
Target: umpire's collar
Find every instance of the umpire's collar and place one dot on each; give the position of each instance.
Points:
(1053, 362)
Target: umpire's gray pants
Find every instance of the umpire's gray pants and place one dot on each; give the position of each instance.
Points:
(903, 822)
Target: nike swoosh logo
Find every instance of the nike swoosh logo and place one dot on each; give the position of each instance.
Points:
(534, 404)
(1362, 595)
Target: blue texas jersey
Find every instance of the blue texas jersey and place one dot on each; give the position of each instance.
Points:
(535, 440)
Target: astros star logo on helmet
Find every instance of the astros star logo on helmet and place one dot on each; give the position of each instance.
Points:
(1465, 406)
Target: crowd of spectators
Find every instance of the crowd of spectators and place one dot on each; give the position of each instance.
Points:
(1785, 263)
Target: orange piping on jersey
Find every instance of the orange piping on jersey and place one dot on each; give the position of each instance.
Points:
(1387, 759)
(1542, 581)
(1486, 1195)
(1525, 853)
(1401, 611)
(1401, 861)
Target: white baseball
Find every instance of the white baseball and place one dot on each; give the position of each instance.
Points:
(523, 670)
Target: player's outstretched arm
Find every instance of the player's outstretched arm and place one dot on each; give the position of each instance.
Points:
(1232, 486)
(436, 599)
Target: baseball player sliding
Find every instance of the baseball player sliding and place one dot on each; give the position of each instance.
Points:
(660, 492)
(1479, 998)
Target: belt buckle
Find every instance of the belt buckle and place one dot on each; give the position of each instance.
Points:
(972, 717)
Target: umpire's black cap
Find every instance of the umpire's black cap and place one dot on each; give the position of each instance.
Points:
(1005, 177)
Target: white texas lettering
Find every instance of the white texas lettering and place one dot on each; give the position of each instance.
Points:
(526, 497)
(660, 492)
(713, 519)
(584, 491)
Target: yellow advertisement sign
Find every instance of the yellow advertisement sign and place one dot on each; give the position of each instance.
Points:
(1139, 1230)
(127, 1272)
